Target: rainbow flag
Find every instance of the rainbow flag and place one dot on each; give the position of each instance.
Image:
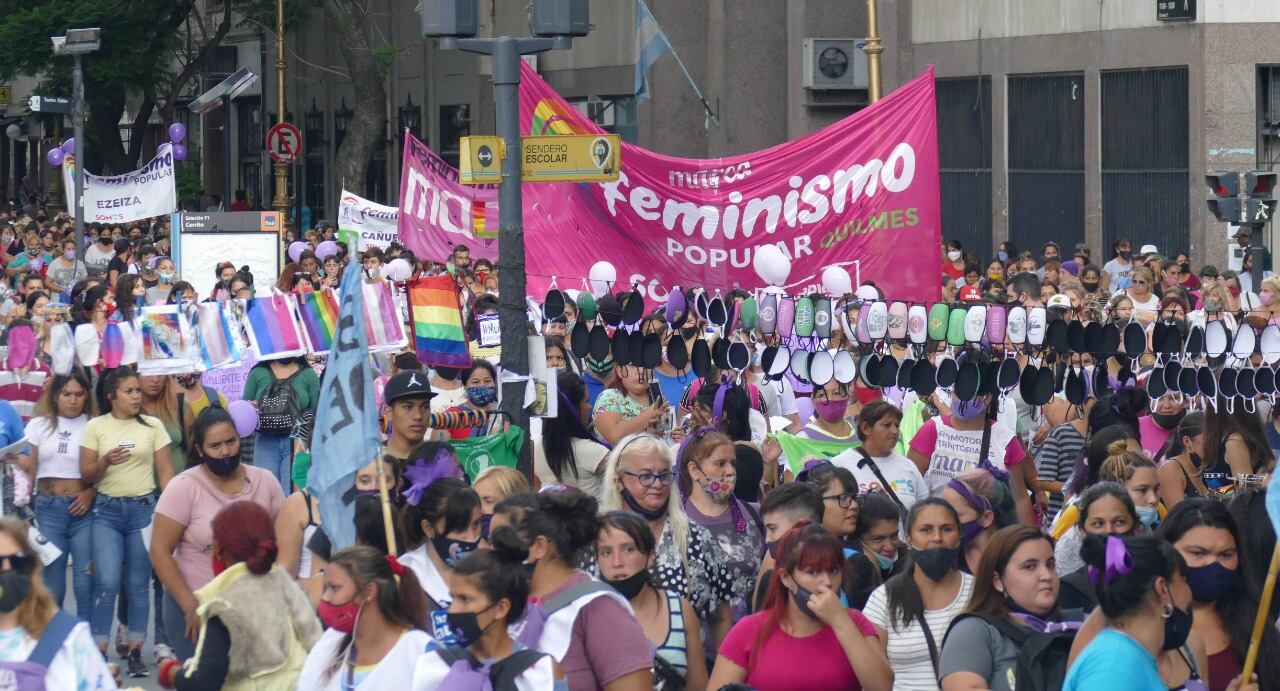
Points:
(318, 312)
(217, 343)
(478, 220)
(438, 336)
(382, 321)
(272, 329)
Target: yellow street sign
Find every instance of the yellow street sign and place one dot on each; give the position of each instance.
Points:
(480, 159)
(570, 158)
(6, 95)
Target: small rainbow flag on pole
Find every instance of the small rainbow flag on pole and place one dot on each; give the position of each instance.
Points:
(318, 311)
(438, 336)
(478, 220)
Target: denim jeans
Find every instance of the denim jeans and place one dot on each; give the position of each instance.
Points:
(74, 536)
(175, 623)
(157, 597)
(274, 453)
(119, 557)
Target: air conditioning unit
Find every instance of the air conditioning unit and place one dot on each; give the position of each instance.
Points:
(834, 64)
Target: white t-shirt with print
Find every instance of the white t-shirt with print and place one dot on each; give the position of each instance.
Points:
(58, 450)
(898, 470)
(77, 665)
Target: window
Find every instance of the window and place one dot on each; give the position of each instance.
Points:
(614, 114)
(455, 123)
(250, 135)
(1145, 146)
(313, 164)
(1046, 159)
(964, 151)
(341, 119)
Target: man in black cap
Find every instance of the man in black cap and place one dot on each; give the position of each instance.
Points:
(408, 400)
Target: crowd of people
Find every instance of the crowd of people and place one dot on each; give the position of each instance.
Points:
(659, 537)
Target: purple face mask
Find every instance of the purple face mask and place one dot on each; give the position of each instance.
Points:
(968, 410)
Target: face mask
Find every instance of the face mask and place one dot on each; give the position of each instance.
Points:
(968, 410)
(1149, 516)
(365, 492)
(465, 626)
(885, 563)
(935, 562)
(773, 549)
(688, 332)
(969, 530)
(1212, 306)
(1003, 257)
(995, 276)
(720, 490)
(482, 395)
(14, 588)
(340, 618)
(1177, 626)
(105, 241)
(452, 551)
(1195, 459)
(218, 565)
(1210, 583)
(635, 506)
(70, 255)
(1090, 286)
(1168, 420)
(1124, 254)
(802, 598)
(831, 410)
(1234, 290)
(222, 467)
(953, 255)
(1267, 298)
(630, 586)
(166, 277)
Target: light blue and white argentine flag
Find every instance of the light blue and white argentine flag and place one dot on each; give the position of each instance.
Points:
(651, 44)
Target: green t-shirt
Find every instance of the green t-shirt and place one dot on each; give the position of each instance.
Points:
(306, 384)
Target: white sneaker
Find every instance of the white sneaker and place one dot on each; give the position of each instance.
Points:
(163, 652)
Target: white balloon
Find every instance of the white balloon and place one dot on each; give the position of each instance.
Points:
(397, 270)
(836, 281)
(602, 276)
(771, 265)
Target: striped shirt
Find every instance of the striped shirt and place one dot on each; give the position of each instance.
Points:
(24, 390)
(907, 647)
(1057, 458)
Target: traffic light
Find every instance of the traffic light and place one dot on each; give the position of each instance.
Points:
(1259, 185)
(1225, 186)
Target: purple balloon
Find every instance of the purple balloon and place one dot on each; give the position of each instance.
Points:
(804, 408)
(69, 146)
(296, 250)
(54, 157)
(245, 416)
(326, 249)
(177, 132)
(179, 152)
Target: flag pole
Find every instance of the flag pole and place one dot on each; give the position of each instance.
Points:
(703, 99)
(385, 498)
(1260, 621)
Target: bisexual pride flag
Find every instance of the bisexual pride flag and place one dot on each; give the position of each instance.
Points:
(438, 336)
(318, 312)
(272, 330)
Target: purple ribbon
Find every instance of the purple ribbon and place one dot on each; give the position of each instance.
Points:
(1118, 562)
(420, 475)
(535, 620)
(717, 408)
(464, 675)
(982, 504)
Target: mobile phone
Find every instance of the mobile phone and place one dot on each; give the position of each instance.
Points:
(655, 391)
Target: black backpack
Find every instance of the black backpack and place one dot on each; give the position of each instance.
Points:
(1042, 657)
(278, 408)
(502, 674)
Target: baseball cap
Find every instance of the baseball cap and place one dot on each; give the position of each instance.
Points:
(1060, 301)
(407, 384)
(1148, 249)
(971, 294)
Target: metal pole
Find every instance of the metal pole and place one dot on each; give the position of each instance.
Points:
(873, 49)
(1256, 251)
(511, 279)
(281, 202)
(226, 153)
(77, 118)
(56, 202)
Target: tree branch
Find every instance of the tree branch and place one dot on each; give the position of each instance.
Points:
(189, 69)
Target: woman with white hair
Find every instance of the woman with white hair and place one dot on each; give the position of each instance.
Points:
(638, 477)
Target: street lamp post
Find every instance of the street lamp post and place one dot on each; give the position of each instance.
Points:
(281, 202)
(77, 43)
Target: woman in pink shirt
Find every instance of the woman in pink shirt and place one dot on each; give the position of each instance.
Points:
(182, 537)
(803, 620)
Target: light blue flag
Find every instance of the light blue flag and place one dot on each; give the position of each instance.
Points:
(1273, 502)
(346, 436)
(651, 44)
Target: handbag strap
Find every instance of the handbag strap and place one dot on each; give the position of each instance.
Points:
(867, 460)
(928, 638)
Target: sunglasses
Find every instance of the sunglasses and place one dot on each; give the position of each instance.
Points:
(21, 562)
(1140, 283)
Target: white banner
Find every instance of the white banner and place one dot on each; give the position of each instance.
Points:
(375, 223)
(149, 191)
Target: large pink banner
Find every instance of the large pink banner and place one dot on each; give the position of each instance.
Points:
(862, 193)
(437, 213)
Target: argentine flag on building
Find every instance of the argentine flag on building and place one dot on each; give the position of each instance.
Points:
(651, 44)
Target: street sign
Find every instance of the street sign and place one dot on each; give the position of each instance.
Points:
(570, 158)
(284, 142)
(6, 95)
(1176, 10)
(47, 104)
(481, 160)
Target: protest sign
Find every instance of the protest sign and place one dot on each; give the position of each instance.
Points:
(229, 381)
(862, 193)
(437, 212)
(372, 224)
(149, 191)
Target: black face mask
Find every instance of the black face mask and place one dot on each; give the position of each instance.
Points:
(773, 549)
(448, 373)
(630, 586)
(14, 588)
(465, 626)
(1090, 286)
(802, 598)
(1177, 626)
(688, 332)
(935, 562)
(222, 467)
(1168, 420)
(452, 551)
(1195, 459)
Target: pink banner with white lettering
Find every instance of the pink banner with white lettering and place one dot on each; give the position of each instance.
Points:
(437, 213)
(862, 193)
